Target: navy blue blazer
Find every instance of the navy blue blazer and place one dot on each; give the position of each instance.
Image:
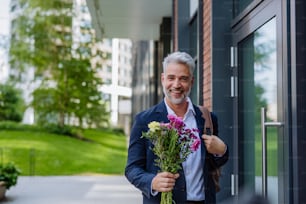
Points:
(141, 169)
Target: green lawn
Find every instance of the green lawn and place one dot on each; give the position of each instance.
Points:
(272, 152)
(41, 153)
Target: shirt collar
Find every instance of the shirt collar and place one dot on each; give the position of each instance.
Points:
(189, 108)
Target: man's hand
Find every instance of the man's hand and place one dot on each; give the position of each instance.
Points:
(164, 181)
(214, 144)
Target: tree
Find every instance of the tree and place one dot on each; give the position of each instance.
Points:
(11, 103)
(68, 86)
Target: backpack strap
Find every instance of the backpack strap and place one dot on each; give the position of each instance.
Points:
(208, 126)
(208, 130)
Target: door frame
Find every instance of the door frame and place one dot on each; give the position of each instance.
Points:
(241, 28)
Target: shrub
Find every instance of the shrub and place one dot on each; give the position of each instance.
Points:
(9, 174)
(11, 103)
(64, 130)
(11, 125)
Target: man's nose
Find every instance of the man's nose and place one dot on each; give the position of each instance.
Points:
(177, 82)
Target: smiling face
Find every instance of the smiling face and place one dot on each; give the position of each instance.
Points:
(177, 81)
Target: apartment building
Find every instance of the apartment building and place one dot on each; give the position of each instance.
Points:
(117, 77)
(116, 68)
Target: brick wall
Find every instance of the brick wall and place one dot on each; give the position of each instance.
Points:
(207, 49)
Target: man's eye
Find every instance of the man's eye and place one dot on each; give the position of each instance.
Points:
(184, 78)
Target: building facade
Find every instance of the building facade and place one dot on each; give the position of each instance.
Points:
(116, 73)
(250, 71)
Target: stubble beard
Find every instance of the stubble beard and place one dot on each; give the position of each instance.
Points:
(176, 101)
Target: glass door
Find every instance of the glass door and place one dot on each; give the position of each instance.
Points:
(258, 106)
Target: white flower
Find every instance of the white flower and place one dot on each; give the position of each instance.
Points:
(154, 126)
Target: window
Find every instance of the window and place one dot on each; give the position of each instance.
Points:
(194, 52)
(193, 37)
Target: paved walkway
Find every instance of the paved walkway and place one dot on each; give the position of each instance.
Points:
(73, 190)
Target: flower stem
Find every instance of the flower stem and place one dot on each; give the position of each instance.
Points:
(166, 198)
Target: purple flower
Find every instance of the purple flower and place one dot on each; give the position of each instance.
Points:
(192, 136)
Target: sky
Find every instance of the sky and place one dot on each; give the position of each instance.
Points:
(4, 17)
(4, 30)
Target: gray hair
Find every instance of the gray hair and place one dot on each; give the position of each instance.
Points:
(179, 58)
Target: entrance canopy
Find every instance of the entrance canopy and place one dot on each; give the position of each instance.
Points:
(133, 19)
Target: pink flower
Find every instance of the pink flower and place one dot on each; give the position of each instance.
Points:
(176, 122)
(195, 145)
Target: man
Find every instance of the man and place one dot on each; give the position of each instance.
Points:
(193, 184)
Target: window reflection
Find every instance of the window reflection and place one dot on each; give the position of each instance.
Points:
(265, 67)
(257, 73)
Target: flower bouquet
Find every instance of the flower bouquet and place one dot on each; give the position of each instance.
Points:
(172, 143)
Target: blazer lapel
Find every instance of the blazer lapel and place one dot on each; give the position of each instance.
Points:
(199, 119)
(161, 112)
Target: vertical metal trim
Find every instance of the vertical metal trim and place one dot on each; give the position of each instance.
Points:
(264, 153)
(233, 56)
(234, 86)
(234, 184)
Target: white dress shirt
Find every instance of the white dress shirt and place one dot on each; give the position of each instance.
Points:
(193, 166)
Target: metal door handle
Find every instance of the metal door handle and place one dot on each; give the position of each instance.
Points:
(264, 126)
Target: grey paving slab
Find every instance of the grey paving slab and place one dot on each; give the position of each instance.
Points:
(73, 190)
